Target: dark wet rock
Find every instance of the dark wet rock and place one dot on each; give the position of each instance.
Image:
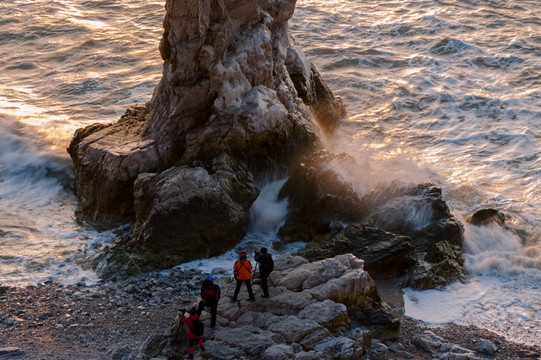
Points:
(318, 197)
(384, 253)
(442, 264)
(405, 227)
(418, 211)
(487, 216)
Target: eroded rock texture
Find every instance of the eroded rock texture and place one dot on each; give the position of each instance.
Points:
(234, 84)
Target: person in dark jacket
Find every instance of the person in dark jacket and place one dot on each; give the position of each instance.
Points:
(192, 338)
(264, 259)
(242, 270)
(210, 295)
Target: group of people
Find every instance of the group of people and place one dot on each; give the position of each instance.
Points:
(210, 293)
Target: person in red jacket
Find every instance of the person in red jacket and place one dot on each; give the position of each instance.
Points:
(243, 273)
(193, 339)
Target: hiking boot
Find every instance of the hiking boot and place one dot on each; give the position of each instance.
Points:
(190, 356)
(202, 348)
(264, 296)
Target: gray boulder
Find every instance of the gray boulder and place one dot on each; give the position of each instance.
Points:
(183, 213)
(486, 347)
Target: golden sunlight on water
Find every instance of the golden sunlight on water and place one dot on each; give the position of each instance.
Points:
(55, 129)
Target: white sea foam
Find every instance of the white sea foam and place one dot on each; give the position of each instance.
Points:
(268, 213)
(502, 295)
(266, 216)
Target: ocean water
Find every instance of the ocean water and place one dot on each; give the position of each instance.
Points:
(441, 91)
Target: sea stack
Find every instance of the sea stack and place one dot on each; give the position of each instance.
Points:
(237, 98)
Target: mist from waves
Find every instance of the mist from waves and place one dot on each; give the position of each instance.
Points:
(39, 238)
(446, 92)
(267, 214)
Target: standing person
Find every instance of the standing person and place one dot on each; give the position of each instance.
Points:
(192, 337)
(243, 273)
(210, 294)
(266, 265)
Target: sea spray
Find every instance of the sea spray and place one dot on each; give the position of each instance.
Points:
(34, 182)
(267, 214)
(502, 293)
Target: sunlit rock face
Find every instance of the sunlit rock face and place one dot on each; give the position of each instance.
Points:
(233, 83)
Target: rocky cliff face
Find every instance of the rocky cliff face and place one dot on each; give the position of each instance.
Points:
(234, 84)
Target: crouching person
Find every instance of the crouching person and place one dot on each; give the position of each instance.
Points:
(195, 330)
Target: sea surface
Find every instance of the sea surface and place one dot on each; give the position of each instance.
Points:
(441, 91)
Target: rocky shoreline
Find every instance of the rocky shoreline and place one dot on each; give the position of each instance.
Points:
(237, 101)
(113, 319)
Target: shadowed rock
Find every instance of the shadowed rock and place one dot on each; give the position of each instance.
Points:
(318, 197)
(486, 217)
(384, 253)
(183, 213)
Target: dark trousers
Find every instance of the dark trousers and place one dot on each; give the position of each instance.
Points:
(264, 285)
(213, 310)
(248, 286)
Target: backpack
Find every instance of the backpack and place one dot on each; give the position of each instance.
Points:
(198, 327)
(267, 265)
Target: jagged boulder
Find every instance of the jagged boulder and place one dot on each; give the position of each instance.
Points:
(384, 253)
(185, 213)
(442, 264)
(318, 196)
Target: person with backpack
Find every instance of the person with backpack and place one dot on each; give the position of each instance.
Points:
(195, 330)
(210, 294)
(266, 265)
(242, 270)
